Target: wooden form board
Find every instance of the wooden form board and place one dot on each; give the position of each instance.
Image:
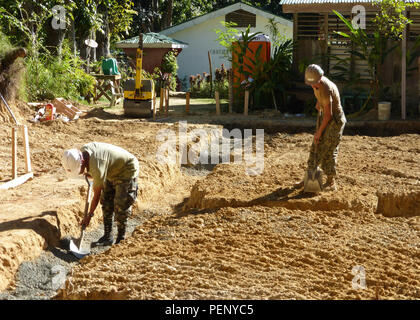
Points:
(16, 181)
(66, 108)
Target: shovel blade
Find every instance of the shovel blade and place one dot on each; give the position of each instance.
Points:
(313, 181)
(76, 247)
(77, 251)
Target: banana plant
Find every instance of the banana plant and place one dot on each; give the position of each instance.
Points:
(273, 76)
(372, 48)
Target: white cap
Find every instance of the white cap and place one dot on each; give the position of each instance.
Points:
(72, 162)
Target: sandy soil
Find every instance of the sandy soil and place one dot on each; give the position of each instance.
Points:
(226, 235)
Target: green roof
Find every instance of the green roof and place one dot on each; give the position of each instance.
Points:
(152, 40)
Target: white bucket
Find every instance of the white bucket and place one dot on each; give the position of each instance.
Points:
(384, 110)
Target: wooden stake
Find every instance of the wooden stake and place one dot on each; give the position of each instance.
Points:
(187, 103)
(230, 91)
(211, 73)
(28, 166)
(166, 102)
(14, 153)
(216, 95)
(161, 100)
(246, 102)
(154, 105)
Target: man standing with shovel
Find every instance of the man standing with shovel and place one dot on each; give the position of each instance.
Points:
(114, 172)
(331, 122)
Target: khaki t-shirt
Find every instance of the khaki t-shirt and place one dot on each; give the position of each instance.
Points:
(328, 92)
(109, 162)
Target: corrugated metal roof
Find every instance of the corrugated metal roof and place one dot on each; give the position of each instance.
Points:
(283, 2)
(152, 39)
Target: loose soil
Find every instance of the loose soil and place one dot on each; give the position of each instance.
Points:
(215, 233)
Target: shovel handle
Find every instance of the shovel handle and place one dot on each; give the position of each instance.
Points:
(88, 197)
(316, 130)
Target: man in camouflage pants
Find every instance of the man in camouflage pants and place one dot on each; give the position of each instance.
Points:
(331, 124)
(114, 172)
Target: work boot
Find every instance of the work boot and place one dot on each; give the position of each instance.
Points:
(107, 239)
(299, 185)
(329, 185)
(120, 236)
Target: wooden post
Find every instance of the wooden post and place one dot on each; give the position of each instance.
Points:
(166, 102)
(217, 97)
(28, 166)
(230, 90)
(154, 105)
(187, 102)
(161, 100)
(14, 153)
(246, 102)
(211, 73)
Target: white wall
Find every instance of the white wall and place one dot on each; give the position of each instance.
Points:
(202, 38)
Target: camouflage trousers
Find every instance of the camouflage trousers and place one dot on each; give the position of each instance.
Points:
(118, 198)
(327, 149)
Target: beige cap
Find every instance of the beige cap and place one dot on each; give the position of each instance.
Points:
(313, 74)
(72, 162)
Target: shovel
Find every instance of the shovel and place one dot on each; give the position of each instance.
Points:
(76, 245)
(313, 178)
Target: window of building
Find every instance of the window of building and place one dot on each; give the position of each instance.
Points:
(242, 18)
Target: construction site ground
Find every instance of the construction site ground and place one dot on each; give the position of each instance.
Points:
(214, 232)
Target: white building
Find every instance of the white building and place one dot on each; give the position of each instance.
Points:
(201, 38)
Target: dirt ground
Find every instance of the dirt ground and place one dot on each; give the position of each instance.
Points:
(223, 234)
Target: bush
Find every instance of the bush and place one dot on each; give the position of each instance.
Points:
(5, 44)
(201, 87)
(204, 89)
(48, 77)
(170, 66)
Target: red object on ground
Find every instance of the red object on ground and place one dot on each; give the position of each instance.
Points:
(49, 112)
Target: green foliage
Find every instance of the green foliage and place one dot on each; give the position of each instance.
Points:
(227, 36)
(390, 21)
(170, 66)
(28, 24)
(273, 78)
(245, 64)
(169, 63)
(5, 44)
(277, 38)
(372, 48)
(48, 77)
(204, 89)
(120, 17)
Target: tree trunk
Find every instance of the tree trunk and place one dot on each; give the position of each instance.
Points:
(107, 43)
(155, 8)
(167, 21)
(54, 39)
(73, 38)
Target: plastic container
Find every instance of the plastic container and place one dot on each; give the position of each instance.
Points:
(260, 40)
(384, 110)
(49, 112)
(109, 67)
